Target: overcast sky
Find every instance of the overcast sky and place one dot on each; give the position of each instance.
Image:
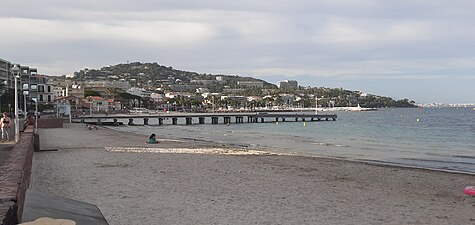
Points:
(418, 49)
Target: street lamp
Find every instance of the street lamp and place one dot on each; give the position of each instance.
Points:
(36, 114)
(25, 111)
(16, 74)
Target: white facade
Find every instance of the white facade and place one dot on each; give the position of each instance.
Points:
(139, 92)
(45, 93)
(287, 84)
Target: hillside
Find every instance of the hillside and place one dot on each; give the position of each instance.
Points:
(153, 75)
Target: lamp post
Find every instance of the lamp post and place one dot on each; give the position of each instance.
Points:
(16, 74)
(25, 112)
(36, 115)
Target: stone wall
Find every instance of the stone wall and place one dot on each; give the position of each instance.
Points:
(15, 178)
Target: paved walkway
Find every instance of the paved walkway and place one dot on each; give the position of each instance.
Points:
(5, 149)
(39, 205)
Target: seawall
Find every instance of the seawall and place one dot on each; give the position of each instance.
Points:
(15, 175)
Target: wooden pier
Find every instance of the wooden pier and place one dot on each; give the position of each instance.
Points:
(202, 118)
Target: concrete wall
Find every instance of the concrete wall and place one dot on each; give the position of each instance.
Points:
(15, 178)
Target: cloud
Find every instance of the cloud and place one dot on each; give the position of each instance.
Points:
(323, 39)
(158, 33)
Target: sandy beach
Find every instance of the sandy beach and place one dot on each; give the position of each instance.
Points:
(191, 182)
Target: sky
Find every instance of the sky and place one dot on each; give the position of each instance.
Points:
(423, 50)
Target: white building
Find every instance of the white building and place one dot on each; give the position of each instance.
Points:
(139, 92)
(287, 84)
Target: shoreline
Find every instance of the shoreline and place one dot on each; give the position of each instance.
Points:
(270, 150)
(184, 188)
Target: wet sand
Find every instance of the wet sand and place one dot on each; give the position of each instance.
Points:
(190, 182)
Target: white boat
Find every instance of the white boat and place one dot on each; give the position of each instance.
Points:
(139, 110)
(350, 109)
(359, 109)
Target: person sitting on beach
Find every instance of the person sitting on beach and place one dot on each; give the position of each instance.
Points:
(152, 139)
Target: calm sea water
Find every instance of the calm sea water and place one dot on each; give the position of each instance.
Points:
(437, 138)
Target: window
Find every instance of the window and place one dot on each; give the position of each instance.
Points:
(49, 89)
(49, 98)
(41, 98)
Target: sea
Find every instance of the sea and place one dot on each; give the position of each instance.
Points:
(432, 138)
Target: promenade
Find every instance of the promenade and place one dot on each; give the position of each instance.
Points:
(5, 149)
(19, 202)
(15, 171)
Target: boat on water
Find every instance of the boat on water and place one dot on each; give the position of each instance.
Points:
(350, 109)
(359, 109)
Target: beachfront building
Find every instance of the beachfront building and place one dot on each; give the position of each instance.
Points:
(98, 103)
(114, 104)
(41, 89)
(4, 72)
(257, 84)
(287, 84)
(31, 85)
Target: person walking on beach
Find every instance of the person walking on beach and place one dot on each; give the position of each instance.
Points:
(5, 123)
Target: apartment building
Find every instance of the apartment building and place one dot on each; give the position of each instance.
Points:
(41, 89)
(4, 71)
(30, 84)
(287, 84)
